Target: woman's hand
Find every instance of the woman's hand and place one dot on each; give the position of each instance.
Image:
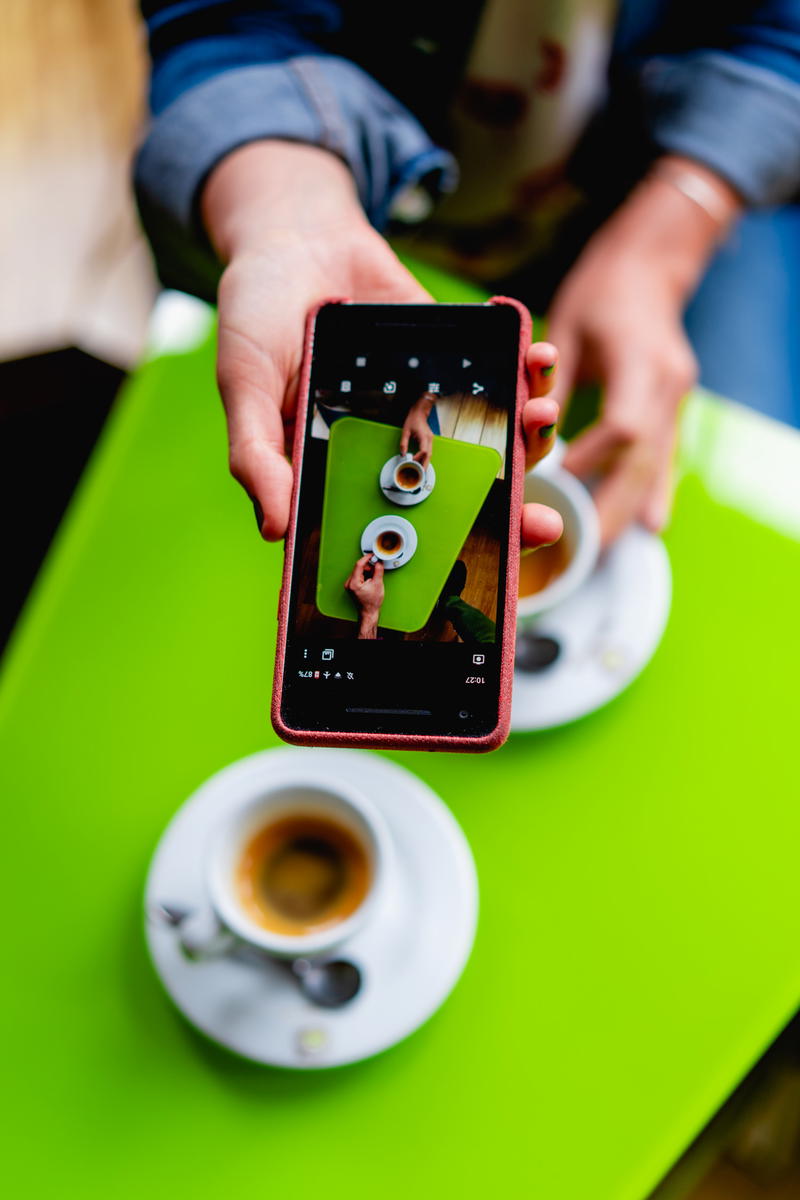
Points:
(617, 321)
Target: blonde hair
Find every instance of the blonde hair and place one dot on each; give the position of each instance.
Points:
(71, 72)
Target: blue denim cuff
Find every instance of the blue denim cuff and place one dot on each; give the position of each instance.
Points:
(741, 120)
(321, 100)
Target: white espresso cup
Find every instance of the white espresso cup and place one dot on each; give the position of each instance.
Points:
(232, 923)
(548, 483)
(407, 467)
(379, 551)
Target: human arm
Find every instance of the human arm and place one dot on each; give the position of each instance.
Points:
(617, 320)
(720, 104)
(226, 75)
(365, 585)
(416, 426)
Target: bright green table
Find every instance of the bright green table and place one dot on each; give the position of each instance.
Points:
(357, 452)
(637, 947)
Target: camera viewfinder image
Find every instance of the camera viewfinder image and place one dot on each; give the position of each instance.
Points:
(404, 498)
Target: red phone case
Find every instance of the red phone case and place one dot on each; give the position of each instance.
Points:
(490, 741)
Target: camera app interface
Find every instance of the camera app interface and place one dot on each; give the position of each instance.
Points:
(401, 548)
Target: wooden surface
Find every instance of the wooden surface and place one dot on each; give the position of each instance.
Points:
(471, 419)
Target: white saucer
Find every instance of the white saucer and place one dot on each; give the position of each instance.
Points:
(404, 499)
(380, 523)
(608, 631)
(411, 954)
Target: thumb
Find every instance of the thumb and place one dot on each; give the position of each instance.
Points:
(252, 393)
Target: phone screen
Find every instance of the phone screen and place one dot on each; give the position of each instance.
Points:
(397, 594)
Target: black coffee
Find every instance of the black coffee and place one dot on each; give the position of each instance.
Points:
(388, 541)
(302, 873)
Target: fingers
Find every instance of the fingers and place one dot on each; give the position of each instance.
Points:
(634, 439)
(365, 571)
(541, 361)
(541, 526)
(657, 505)
(620, 494)
(622, 444)
(253, 390)
(539, 420)
(257, 461)
(416, 426)
(425, 439)
(564, 376)
(626, 420)
(357, 573)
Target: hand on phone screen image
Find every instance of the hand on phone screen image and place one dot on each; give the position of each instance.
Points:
(365, 585)
(366, 588)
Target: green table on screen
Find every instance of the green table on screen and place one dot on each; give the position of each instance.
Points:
(356, 453)
(640, 898)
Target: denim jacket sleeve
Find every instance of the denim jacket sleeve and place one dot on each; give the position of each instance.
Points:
(227, 73)
(732, 101)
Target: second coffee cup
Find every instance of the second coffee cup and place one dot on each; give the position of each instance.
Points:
(548, 576)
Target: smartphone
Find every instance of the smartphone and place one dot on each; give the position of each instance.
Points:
(398, 604)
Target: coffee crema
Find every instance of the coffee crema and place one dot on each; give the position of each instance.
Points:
(388, 542)
(538, 569)
(408, 477)
(301, 874)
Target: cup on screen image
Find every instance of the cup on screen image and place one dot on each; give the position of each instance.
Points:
(548, 576)
(409, 475)
(389, 544)
(294, 872)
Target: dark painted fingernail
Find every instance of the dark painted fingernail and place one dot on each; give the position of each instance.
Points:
(547, 431)
(549, 370)
(258, 510)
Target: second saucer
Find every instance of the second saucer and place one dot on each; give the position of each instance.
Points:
(403, 481)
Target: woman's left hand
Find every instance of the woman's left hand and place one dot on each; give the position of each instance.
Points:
(618, 321)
